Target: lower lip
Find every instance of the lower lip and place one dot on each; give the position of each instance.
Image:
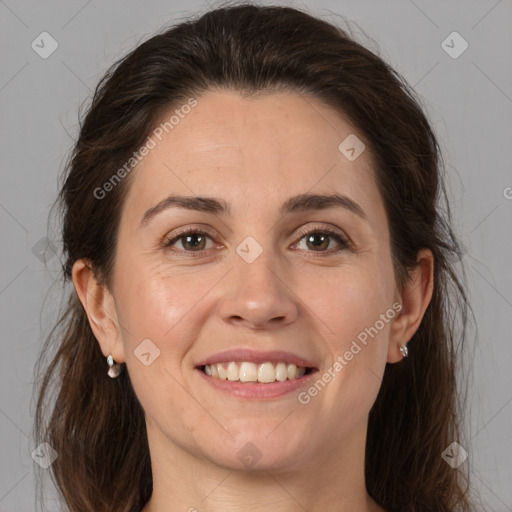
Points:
(254, 389)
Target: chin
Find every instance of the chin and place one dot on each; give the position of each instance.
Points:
(259, 449)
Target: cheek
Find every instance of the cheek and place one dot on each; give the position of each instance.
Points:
(155, 304)
(349, 301)
(162, 307)
(354, 310)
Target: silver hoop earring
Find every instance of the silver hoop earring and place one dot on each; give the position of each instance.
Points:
(114, 369)
(403, 350)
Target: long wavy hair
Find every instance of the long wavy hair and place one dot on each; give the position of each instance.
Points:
(96, 424)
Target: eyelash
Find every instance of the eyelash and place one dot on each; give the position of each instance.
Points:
(344, 242)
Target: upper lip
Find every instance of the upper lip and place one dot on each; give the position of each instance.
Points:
(257, 357)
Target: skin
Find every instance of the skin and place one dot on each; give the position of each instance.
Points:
(293, 297)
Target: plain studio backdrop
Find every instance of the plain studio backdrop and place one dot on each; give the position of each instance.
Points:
(456, 55)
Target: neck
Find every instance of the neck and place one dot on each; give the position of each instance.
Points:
(186, 482)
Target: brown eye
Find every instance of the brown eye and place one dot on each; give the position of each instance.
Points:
(319, 240)
(196, 241)
(191, 241)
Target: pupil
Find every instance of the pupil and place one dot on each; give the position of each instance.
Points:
(323, 237)
(191, 237)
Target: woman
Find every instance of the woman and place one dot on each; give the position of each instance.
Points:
(265, 290)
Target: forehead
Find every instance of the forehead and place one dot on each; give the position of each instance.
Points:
(253, 151)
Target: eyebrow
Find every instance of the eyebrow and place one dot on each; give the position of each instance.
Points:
(298, 203)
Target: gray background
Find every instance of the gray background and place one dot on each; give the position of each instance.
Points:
(468, 99)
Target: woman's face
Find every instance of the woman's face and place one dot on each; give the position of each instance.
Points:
(255, 279)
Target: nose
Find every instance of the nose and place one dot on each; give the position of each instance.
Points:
(258, 295)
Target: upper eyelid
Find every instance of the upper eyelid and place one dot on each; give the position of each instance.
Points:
(213, 233)
(345, 239)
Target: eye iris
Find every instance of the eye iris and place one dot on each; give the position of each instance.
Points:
(322, 244)
(200, 245)
(196, 241)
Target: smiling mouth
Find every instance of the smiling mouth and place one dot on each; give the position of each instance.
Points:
(248, 372)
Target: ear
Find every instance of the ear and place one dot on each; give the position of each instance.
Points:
(415, 297)
(99, 306)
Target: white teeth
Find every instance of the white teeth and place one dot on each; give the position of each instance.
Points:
(266, 373)
(251, 372)
(248, 372)
(233, 371)
(281, 372)
(223, 372)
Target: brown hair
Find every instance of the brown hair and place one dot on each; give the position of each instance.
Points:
(97, 424)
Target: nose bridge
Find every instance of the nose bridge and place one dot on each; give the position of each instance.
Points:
(258, 269)
(258, 295)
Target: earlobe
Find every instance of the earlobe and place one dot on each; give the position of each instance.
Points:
(415, 298)
(99, 306)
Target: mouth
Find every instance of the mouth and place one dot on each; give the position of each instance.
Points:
(251, 373)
